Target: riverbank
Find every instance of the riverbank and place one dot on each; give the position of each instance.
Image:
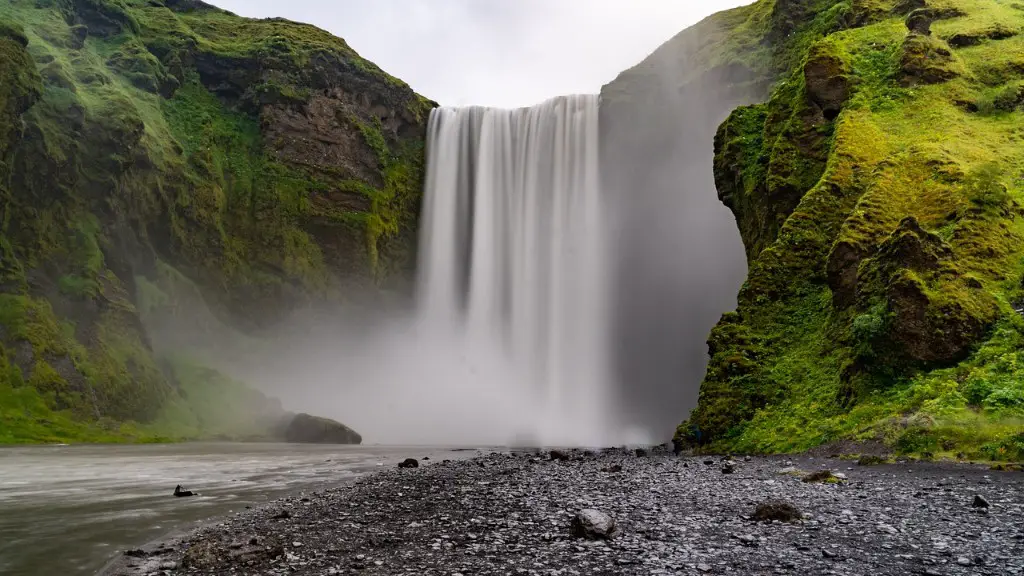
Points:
(511, 514)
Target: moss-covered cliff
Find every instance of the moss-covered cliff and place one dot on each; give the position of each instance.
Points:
(878, 191)
(263, 162)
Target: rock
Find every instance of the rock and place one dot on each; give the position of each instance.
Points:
(559, 455)
(963, 561)
(180, 493)
(613, 469)
(870, 460)
(409, 463)
(282, 515)
(136, 553)
(980, 501)
(822, 477)
(709, 462)
(593, 525)
(826, 76)
(777, 510)
(640, 452)
(728, 467)
(306, 429)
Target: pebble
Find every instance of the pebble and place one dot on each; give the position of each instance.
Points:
(512, 514)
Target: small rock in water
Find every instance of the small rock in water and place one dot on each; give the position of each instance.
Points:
(593, 525)
(409, 463)
(180, 493)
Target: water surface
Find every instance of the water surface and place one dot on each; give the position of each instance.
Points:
(69, 509)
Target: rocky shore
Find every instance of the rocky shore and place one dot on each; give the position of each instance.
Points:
(548, 514)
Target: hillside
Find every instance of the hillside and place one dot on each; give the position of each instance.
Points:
(155, 152)
(878, 193)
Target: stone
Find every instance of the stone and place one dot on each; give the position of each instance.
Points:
(777, 510)
(980, 502)
(409, 463)
(593, 525)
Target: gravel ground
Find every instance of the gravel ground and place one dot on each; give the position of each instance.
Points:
(511, 514)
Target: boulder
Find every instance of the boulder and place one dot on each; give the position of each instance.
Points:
(306, 429)
(777, 510)
(593, 525)
(409, 463)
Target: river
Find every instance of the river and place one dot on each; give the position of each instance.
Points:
(69, 509)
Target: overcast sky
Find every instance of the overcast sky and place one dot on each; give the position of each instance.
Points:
(496, 52)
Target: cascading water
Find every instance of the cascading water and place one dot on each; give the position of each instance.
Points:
(512, 260)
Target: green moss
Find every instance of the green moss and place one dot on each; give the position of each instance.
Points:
(131, 141)
(851, 324)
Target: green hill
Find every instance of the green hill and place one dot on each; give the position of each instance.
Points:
(147, 145)
(878, 192)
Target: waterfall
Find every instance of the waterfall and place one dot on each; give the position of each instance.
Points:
(512, 261)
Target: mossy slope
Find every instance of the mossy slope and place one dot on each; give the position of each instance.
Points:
(264, 160)
(878, 192)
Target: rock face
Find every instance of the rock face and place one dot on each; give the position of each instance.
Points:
(883, 240)
(306, 429)
(262, 163)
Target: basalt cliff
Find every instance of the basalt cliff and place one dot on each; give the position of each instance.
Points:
(158, 153)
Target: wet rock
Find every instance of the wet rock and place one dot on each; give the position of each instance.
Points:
(778, 511)
(409, 463)
(181, 493)
(593, 525)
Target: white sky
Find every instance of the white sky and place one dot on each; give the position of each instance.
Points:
(496, 52)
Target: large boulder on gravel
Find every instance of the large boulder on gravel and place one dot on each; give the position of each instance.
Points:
(593, 525)
(777, 510)
(306, 429)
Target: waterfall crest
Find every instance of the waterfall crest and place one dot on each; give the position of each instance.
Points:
(513, 260)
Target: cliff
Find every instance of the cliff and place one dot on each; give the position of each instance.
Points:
(877, 191)
(151, 149)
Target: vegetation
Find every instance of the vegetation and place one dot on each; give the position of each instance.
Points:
(139, 137)
(878, 193)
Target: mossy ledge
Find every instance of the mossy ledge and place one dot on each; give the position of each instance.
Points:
(878, 192)
(262, 160)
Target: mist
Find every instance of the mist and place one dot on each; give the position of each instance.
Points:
(680, 260)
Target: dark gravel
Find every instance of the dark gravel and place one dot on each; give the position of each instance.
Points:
(512, 513)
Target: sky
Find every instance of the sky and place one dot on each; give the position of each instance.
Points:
(503, 53)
